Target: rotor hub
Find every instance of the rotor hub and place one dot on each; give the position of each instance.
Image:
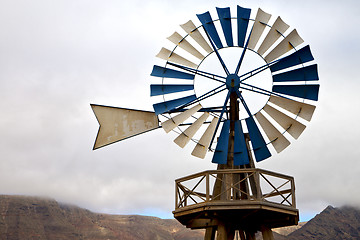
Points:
(232, 82)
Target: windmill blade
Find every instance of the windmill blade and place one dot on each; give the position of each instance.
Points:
(278, 140)
(276, 31)
(293, 127)
(300, 109)
(241, 156)
(189, 133)
(204, 142)
(160, 89)
(261, 19)
(117, 124)
(177, 39)
(309, 73)
(225, 21)
(173, 122)
(299, 57)
(170, 73)
(173, 57)
(209, 27)
(260, 149)
(243, 16)
(172, 104)
(288, 43)
(193, 32)
(222, 147)
(310, 92)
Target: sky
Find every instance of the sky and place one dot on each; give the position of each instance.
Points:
(57, 57)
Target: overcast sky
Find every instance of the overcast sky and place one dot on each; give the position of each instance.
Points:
(58, 56)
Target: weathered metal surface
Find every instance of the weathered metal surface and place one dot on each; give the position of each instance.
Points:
(277, 139)
(300, 109)
(261, 19)
(288, 43)
(117, 124)
(190, 28)
(186, 136)
(168, 55)
(175, 121)
(293, 127)
(276, 31)
(177, 39)
(204, 142)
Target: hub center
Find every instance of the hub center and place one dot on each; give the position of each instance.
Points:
(232, 82)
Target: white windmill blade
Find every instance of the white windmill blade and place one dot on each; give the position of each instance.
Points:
(261, 19)
(278, 28)
(277, 139)
(186, 136)
(177, 39)
(190, 28)
(288, 43)
(204, 142)
(303, 110)
(117, 124)
(173, 122)
(293, 127)
(173, 57)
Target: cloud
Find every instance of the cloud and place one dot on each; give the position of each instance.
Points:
(57, 57)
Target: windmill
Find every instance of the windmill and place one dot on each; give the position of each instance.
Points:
(218, 98)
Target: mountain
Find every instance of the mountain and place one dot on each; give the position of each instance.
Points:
(38, 218)
(332, 223)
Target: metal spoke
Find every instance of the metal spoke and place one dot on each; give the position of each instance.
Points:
(203, 97)
(243, 54)
(257, 70)
(218, 123)
(217, 53)
(243, 103)
(261, 91)
(199, 72)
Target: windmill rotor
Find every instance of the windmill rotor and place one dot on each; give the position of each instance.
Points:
(288, 101)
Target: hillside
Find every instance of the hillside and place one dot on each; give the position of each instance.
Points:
(38, 218)
(332, 223)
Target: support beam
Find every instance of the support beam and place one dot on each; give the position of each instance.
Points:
(267, 233)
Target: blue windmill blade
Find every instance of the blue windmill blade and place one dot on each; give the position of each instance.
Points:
(167, 106)
(170, 73)
(310, 92)
(241, 156)
(209, 27)
(301, 56)
(260, 149)
(243, 16)
(222, 147)
(160, 89)
(309, 73)
(225, 21)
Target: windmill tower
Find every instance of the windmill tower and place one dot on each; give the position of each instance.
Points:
(213, 93)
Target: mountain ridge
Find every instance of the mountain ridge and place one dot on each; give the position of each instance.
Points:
(24, 217)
